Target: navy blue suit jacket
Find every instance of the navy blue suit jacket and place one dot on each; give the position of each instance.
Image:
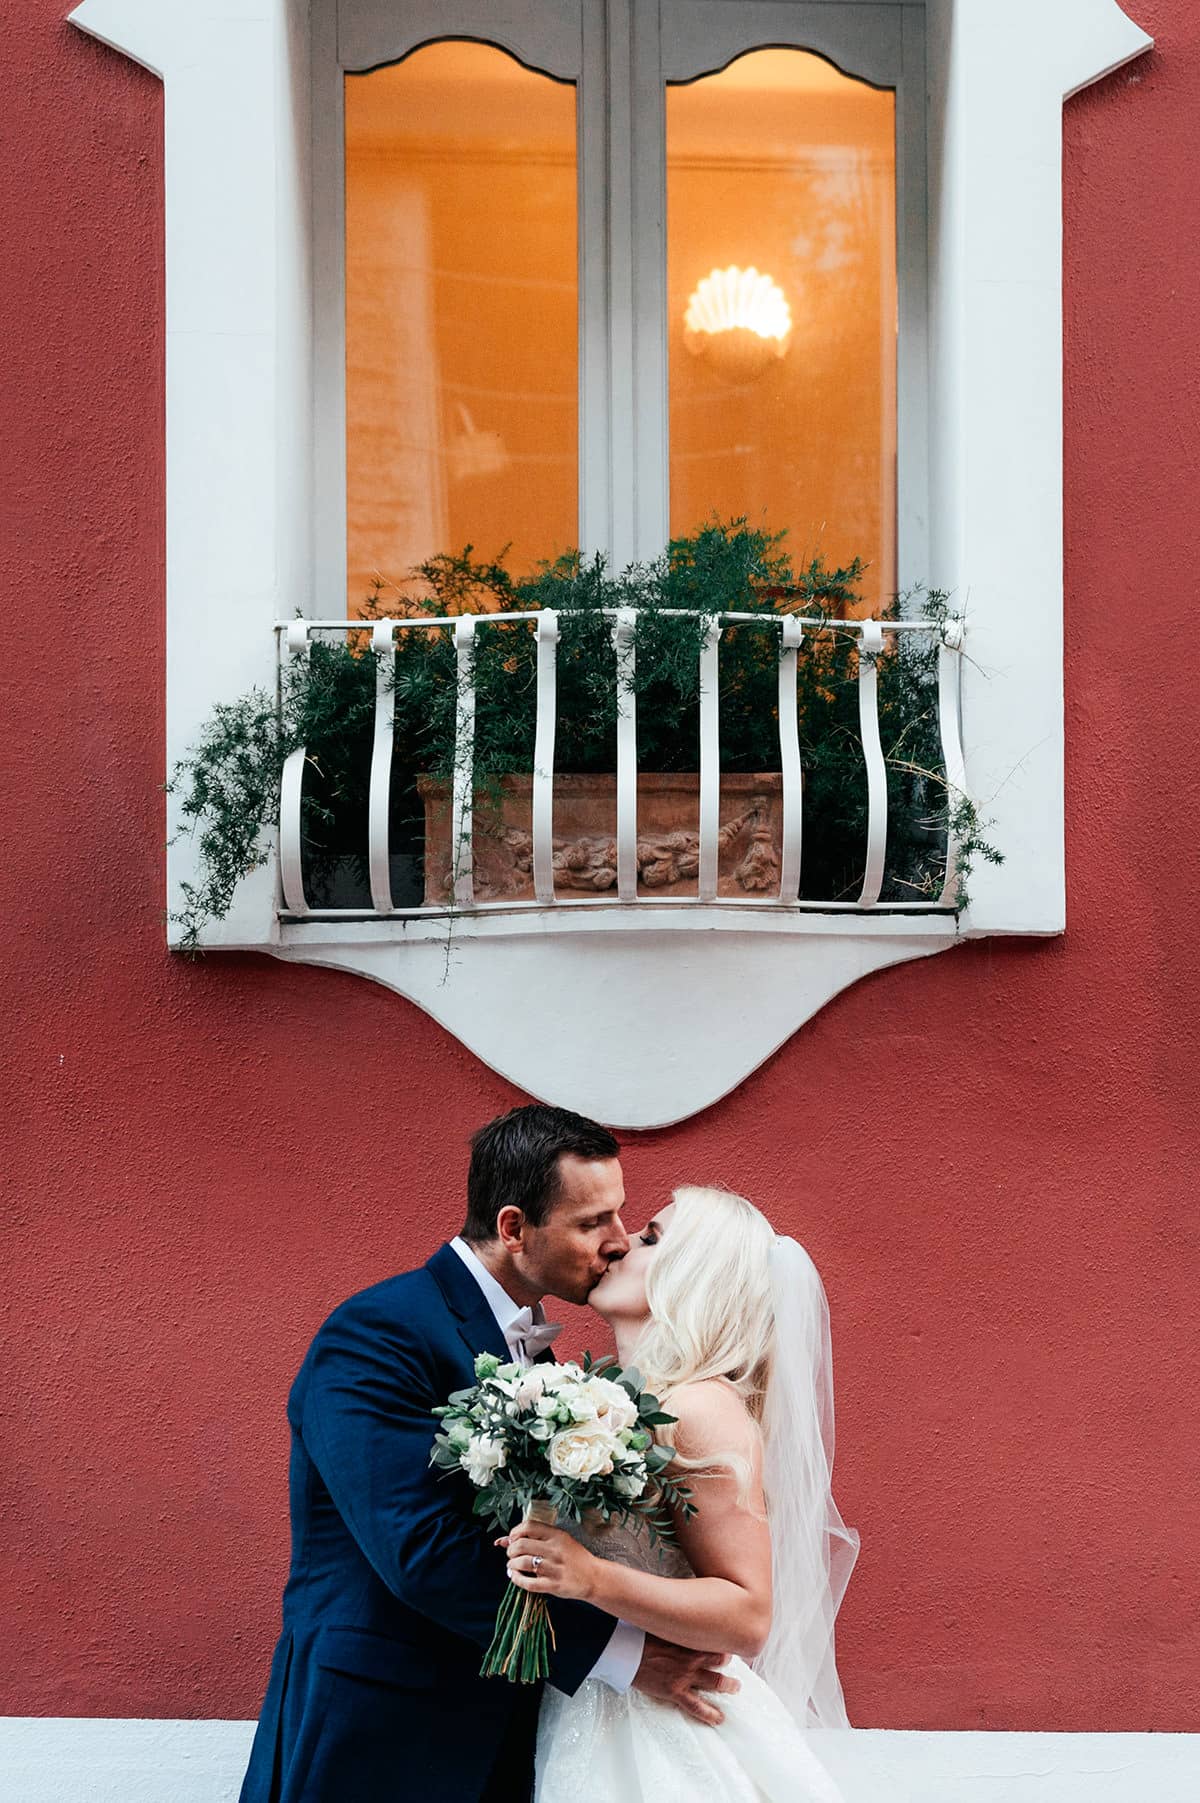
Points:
(374, 1694)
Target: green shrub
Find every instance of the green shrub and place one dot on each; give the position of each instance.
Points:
(229, 784)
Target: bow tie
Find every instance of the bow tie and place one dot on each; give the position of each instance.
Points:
(527, 1337)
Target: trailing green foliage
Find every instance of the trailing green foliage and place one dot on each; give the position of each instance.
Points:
(229, 784)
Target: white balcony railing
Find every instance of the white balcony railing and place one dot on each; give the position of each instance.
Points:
(295, 637)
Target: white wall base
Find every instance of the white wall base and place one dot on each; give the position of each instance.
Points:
(54, 1760)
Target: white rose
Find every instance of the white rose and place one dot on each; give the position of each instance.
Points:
(529, 1389)
(614, 1404)
(579, 1399)
(547, 1407)
(483, 1458)
(502, 1382)
(630, 1483)
(582, 1451)
(540, 1429)
(557, 1377)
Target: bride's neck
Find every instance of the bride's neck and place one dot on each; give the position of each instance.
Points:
(626, 1334)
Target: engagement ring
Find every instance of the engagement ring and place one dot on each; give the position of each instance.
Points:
(537, 1563)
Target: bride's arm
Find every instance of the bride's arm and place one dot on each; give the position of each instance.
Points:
(727, 1605)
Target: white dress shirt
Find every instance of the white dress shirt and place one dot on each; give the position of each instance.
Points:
(618, 1663)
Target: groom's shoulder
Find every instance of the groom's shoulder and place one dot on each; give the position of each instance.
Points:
(394, 1302)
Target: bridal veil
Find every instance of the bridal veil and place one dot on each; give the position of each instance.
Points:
(812, 1549)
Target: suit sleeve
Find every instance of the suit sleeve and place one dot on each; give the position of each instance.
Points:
(368, 1428)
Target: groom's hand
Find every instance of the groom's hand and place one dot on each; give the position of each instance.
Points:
(674, 1674)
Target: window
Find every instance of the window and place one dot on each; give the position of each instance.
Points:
(521, 213)
(781, 305)
(461, 304)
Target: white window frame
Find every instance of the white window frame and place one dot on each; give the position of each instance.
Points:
(243, 469)
(621, 56)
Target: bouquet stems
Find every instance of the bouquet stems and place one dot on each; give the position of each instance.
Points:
(524, 1637)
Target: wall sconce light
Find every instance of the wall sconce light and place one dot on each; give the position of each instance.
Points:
(739, 320)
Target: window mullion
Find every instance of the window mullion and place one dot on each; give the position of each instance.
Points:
(649, 239)
(623, 373)
(596, 461)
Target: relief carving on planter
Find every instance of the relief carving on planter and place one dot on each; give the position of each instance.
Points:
(585, 846)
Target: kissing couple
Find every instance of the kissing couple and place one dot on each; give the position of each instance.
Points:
(678, 1673)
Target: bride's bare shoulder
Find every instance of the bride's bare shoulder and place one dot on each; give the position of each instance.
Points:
(710, 1416)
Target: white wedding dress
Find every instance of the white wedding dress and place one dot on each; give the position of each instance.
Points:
(603, 1747)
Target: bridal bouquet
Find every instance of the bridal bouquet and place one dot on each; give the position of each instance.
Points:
(553, 1442)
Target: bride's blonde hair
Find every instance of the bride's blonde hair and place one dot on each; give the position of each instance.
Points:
(708, 1290)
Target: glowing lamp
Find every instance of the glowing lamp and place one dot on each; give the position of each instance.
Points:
(739, 320)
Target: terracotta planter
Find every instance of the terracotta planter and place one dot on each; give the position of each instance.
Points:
(585, 849)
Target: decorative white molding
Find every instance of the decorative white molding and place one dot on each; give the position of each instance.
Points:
(998, 73)
(701, 35)
(74, 1760)
(640, 1023)
(239, 452)
(371, 32)
(708, 1002)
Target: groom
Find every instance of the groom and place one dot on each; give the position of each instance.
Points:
(374, 1694)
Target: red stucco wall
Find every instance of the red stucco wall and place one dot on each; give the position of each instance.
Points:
(990, 1154)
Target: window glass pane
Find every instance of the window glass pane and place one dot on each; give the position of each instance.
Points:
(461, 305)
(781, 265)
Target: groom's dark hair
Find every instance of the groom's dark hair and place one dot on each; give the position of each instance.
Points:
(514, 1163)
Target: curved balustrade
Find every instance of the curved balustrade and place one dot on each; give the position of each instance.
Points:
(956, 774)
(870, 645)
(790, 640)
(291, 868)
(462, 810)
(624, 629)
(383, 644)
(543, 756)
(710, 761)
(296, 641)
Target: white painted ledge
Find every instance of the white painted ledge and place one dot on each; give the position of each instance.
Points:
(56, 1760)
(639, 1049)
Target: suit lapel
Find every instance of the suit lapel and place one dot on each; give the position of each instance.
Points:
(477, 1325)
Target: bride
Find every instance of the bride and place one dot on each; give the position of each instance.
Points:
(728, 1324)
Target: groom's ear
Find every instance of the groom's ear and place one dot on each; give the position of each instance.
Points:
(510, 1228)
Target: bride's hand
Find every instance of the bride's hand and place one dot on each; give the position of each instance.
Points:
(548, 1562)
